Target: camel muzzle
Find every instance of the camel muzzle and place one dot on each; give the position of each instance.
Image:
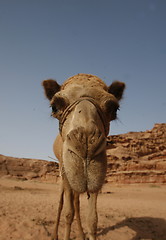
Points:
(84, 159)
(84, 148)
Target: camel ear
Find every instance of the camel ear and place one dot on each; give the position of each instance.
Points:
(50, 88)
(117, 88)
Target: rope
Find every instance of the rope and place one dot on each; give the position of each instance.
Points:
(71, 107)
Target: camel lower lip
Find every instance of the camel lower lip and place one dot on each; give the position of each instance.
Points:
(84, 174)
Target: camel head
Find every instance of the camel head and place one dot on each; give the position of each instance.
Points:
(84, 106)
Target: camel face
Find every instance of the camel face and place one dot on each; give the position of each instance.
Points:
(84, 85)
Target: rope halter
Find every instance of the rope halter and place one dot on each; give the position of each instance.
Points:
(69, 109)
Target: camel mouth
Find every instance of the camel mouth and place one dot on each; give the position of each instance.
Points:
(84, 160)
(85, 175)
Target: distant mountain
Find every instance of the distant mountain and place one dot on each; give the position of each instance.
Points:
(134, 157)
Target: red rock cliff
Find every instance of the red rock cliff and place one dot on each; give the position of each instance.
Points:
(138, 157)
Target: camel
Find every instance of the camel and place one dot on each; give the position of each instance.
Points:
(84, 106)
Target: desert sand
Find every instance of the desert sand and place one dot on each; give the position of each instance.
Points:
(126, 212)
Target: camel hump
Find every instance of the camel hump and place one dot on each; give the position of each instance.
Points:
(84, 160)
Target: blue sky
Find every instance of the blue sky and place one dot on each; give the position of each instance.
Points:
(114, 39)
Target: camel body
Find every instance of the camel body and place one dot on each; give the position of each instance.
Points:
(84, 106)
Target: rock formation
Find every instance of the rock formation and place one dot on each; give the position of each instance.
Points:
(138, 157)
(27, 169)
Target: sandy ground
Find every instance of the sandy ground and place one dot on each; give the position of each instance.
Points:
(28, 209)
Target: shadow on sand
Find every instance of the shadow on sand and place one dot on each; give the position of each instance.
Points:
(145, 228)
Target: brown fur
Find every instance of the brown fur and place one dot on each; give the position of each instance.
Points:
(117, 89)
(50, 87)
(85, 79)
(84, 105)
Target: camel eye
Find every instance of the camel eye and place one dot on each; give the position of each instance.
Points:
(117, 109)
(111, 109)
(54, 109)
(114, 110)
(58, 105)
